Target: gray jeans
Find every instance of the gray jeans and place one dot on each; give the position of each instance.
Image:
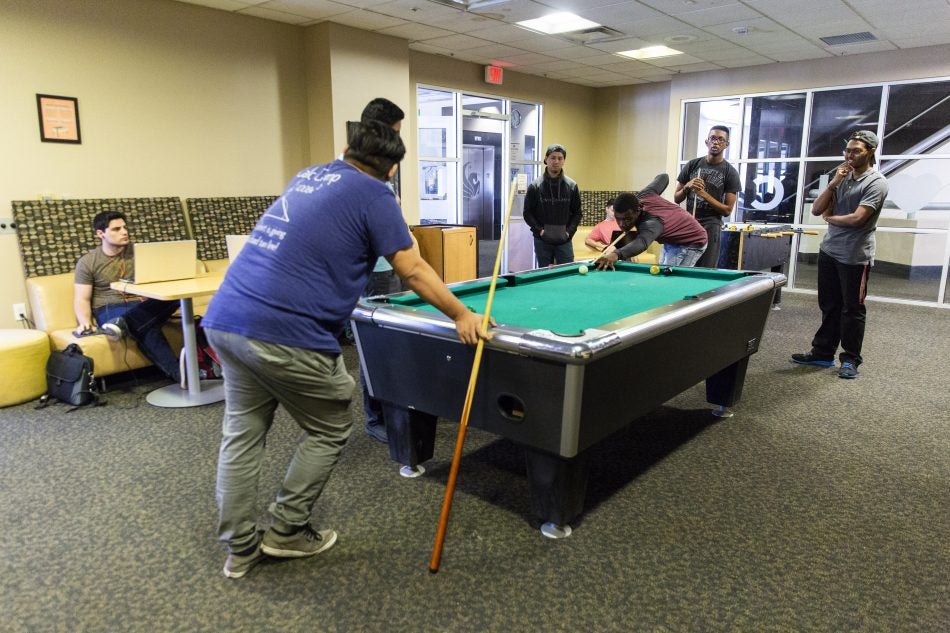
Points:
(315, 389)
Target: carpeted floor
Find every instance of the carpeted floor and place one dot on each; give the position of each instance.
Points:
(823, 505)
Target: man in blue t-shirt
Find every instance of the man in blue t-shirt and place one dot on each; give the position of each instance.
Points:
(275, 322)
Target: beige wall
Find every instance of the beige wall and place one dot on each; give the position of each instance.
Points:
(346, 69)
(631, 147)
(174, 100)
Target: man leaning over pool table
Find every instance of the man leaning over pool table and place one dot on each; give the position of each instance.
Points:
(656, 219)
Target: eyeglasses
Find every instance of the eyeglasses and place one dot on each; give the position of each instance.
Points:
(717, 139)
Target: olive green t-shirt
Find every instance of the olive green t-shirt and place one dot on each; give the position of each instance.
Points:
(98, 270)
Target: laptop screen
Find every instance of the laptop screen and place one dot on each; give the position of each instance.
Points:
(165, 261)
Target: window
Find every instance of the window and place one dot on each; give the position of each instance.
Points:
(785, 161)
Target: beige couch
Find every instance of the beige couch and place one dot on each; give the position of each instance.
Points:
(51, 303)
(583, 251)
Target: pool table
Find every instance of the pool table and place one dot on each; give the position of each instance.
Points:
(549, 377)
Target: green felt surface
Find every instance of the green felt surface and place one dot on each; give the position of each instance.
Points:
(566, 302)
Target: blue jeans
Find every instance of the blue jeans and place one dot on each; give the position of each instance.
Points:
(677, 255)
(315, 389)
(548, 254)
(145, 320)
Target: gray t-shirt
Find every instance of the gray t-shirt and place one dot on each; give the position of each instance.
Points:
(855, 245)
(98, 270)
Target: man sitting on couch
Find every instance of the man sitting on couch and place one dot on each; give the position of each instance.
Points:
(117, 313)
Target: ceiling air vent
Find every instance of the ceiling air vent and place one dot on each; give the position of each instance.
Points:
(594, 36)
(850, 38)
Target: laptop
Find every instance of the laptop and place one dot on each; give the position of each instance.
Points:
(235, 243)
(165, 261)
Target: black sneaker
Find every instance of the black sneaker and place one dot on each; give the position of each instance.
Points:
(657, 185)
(810, 359)
(305, 542)
(848, 370)
(116, 329)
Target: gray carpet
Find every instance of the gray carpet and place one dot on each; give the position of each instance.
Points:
(823, 505)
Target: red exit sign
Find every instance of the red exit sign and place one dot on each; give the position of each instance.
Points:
(494, 75)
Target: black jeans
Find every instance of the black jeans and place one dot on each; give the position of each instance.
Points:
(841, 292)
(710, 257)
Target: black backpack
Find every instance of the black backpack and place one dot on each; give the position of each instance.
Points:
(70, 379)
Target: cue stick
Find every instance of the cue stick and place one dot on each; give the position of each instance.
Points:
(614, 243)
(469, 396)
(741, 242)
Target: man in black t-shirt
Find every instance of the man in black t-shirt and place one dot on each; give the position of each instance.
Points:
(709, 185)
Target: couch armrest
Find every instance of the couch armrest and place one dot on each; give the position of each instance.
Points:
(51, 302)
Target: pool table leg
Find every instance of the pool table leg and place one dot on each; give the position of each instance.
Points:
(557, 486)
(724, 388)
(411, 438)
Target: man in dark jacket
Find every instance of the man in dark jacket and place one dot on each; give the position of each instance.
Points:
(552, 210)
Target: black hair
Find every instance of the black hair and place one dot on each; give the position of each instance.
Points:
(376, 147)
(626, 202)
(383, 110)
(102, 220)
(610, 203)
(721, 128)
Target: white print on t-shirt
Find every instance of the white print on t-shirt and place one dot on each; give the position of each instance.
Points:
(272, 237)
(279, 214)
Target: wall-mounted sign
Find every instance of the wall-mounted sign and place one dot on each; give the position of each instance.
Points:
(494, 75)
(59, 119)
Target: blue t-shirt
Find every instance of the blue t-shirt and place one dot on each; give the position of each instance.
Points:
(307, 261)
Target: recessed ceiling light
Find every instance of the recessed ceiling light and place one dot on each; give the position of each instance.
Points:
(679, 39)
(650, 52)
(562, 22)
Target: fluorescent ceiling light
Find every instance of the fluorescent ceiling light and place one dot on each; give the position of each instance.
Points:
(651, 52)
(563, 22)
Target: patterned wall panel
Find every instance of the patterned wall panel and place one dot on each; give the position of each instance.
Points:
(213, 218)
(592, 205)
(53, 234)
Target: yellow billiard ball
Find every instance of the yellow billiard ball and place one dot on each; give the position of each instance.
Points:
(654, 270)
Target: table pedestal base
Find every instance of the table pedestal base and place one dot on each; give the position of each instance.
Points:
(173, 396)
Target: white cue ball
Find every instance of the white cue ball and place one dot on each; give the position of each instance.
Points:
(582, 270)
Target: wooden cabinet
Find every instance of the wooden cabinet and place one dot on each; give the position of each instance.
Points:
(452, 250)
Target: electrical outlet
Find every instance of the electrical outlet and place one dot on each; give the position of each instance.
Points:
(19, 311)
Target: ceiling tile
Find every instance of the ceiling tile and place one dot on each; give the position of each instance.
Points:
(558, 64)
(599, 60)
(457, 42)
(313, 9)
(529, 59)
(225, 5)
(278, 16)
(501, 33)
(695, 68)
(749, 60)
(678, 7)
(414, 32)
(674, 60)
(413, 10)
(494, 50)
(720, 15)
(367, 20)
(913, 41)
